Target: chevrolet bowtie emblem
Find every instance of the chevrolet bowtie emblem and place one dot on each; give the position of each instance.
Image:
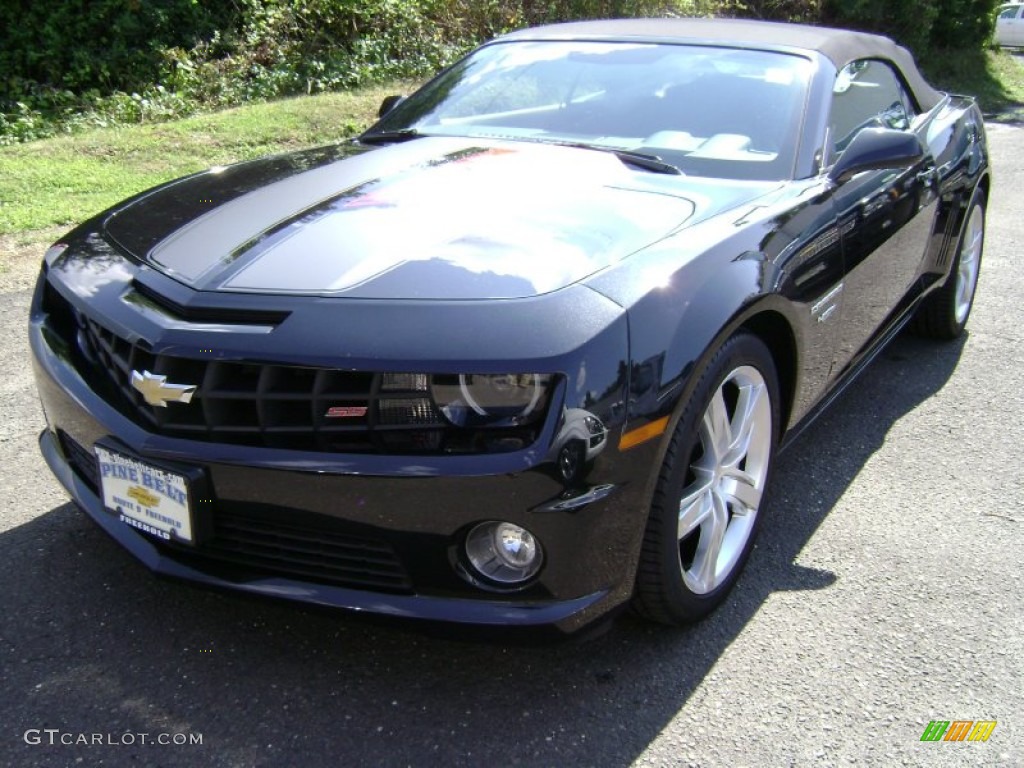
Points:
(156, 391)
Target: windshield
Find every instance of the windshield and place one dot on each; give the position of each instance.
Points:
(720, 112)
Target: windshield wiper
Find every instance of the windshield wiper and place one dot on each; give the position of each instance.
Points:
(646, 161)
(643, 160)
(389, 137)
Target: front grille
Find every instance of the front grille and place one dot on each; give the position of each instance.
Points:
(278, 542)
(81, 460)
(306, 551)
(243, 403)
(290, 407)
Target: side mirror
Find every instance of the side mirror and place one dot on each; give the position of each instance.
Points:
(875, 149)
(389, 103)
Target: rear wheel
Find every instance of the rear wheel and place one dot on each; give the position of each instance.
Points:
(708, 500)
(944, 313)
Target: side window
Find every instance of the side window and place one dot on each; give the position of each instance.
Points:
(867, 94)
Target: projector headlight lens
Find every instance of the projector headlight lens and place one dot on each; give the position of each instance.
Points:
(493, 399)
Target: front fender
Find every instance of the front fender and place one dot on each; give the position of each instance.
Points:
(683, 306)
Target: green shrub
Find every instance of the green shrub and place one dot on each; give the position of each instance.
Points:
(963, 24)
(921, 25)
(106, 44)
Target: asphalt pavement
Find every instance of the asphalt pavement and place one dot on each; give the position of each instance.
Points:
(885, 592)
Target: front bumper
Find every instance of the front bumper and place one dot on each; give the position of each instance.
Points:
(565, 614)
(418, 509)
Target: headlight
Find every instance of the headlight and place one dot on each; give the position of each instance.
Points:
(492, 399)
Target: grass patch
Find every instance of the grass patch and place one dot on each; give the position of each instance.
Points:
(60, 181)
(995, 77)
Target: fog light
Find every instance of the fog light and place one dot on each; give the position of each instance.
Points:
(503, 552)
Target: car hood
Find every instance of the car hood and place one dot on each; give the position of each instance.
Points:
(433, 218)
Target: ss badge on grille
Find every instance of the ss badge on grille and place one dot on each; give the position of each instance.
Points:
(346, 412)
(156, 391)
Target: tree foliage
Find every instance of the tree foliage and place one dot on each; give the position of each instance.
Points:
(105, 44)
(130, 60)
(921, 25)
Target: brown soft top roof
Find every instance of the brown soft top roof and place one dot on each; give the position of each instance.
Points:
(840, 46)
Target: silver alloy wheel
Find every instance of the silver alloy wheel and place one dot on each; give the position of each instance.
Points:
(970, 261)
(726, 481)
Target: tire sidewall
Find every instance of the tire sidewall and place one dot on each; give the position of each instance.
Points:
(740, 350)
(977, 201)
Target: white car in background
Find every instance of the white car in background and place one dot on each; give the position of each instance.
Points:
(1010, 25)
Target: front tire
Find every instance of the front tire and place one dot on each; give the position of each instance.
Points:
(943, 315)
(709, 496)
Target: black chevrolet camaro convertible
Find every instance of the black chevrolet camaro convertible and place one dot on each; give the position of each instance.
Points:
(523, 353)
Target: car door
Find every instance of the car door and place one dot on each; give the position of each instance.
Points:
(885, 216)
(1016, 26)
(1010, 26)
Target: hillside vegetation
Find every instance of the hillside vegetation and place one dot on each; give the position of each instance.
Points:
(72, 64)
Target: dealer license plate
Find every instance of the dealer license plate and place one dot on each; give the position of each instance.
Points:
(149, 498)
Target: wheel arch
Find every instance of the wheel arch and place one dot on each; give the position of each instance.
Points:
(774, 330)
(984, 184)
